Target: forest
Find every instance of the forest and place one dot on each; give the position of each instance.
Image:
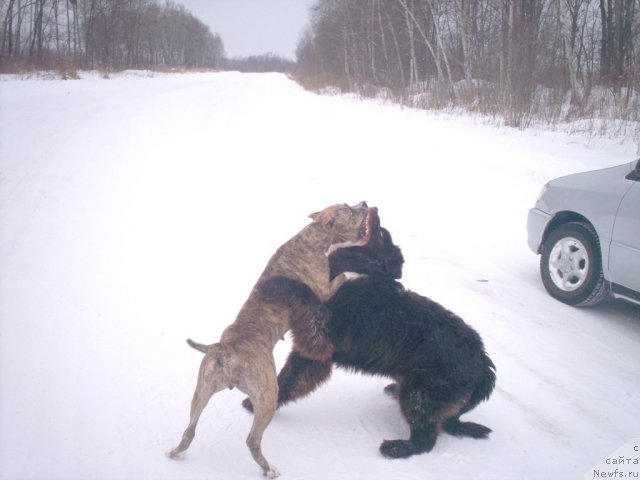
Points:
(552, 60)
(103, 34)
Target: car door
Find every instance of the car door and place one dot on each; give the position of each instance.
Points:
(624, 256)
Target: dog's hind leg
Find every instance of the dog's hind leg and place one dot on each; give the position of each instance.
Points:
(421, 413)
(210, 381)
(264, 398)
(422, 439)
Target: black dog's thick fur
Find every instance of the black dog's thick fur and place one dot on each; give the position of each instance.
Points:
(378, 327)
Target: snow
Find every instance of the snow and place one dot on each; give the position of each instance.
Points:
(139, 210)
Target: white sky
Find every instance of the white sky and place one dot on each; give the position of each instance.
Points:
(253, 27)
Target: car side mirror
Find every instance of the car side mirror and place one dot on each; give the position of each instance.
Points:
(635, 174)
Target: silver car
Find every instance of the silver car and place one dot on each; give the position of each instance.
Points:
(587, 229)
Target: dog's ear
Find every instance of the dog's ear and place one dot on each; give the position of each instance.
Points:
(325, 217)
(315, 216)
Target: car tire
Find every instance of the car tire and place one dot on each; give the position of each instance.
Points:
(571, 265)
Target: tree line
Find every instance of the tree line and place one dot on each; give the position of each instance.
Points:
(522, 58)
(266, 62)
(105, 34)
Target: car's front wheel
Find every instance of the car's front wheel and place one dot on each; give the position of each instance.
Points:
(571, 265)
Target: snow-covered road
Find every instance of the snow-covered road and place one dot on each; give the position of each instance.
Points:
(139, 210)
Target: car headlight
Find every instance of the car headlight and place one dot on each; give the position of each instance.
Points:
(542, 192)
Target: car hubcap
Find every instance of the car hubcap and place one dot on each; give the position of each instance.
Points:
(568, 264)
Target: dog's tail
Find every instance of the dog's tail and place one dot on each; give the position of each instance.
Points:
(481, 392)
(198, 346)
(454, 426)
(484, 385)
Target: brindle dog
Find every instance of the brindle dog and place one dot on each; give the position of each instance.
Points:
(243, 357)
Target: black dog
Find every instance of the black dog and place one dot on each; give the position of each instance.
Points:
(378, 327)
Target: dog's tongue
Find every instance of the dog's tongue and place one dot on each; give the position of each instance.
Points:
(369, 224)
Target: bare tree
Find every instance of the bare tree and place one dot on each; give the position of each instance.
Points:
(617, 17)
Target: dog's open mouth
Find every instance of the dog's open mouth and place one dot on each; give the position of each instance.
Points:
(370, 223)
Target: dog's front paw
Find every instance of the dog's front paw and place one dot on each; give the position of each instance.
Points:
(246, 403)
(397, 448)
(351, 276)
